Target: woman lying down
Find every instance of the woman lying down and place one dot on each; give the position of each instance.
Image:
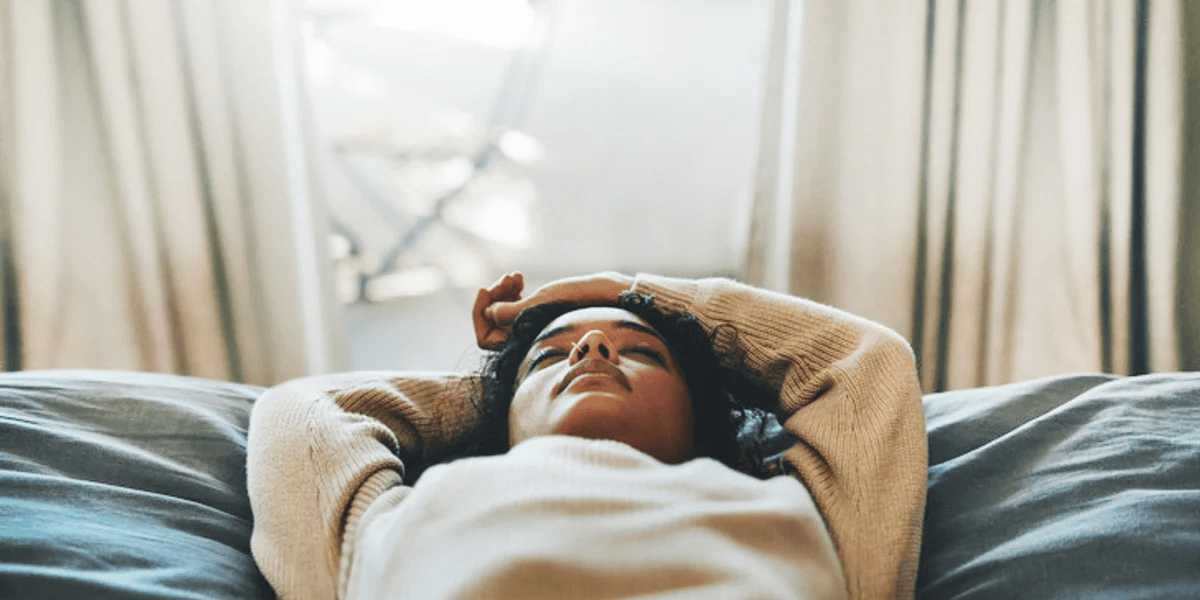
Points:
(597, 455)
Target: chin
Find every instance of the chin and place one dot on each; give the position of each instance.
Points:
(596, 416)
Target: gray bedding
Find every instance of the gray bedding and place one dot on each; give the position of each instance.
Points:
(1068, 487)
(124, 485)
(132, 485)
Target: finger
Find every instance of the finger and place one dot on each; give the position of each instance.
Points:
(510, 288)
(518, 284)
(481, 321)
(499, 282)
(494, 341)
(504, 313)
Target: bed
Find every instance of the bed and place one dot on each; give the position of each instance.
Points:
(132, 485)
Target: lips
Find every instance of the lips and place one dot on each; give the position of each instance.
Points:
(589, 366)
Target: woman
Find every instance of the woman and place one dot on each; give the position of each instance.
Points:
(600, 493)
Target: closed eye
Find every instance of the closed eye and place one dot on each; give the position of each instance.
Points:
(545, 355)
(653, 354)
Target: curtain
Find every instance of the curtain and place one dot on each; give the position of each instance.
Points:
(157, 212)
(1011, 185)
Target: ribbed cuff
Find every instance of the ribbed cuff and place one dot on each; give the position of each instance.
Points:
(371, 489)
(673, 295)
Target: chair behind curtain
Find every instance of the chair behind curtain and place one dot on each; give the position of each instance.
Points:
(156, 208)
(1002, 182)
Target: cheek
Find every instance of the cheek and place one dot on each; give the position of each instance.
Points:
(684, 398)
(672, 391)
(526, 412)
(517, 411)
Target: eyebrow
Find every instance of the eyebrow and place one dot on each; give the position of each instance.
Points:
(635, 326)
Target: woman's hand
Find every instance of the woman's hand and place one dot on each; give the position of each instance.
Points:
(489, 332)
(497, 307)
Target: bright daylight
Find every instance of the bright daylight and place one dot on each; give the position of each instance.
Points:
(599, 299)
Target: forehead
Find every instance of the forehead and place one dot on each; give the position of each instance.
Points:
(594, 317)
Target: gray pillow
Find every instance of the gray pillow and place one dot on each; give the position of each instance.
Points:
(132, 485)
(1081, 486)
(124, 485)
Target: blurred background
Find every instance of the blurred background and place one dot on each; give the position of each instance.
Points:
(469, 138)
(259, 190)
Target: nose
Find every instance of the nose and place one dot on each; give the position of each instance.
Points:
(593, 344)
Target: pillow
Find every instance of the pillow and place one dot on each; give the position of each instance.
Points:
(1084, 486)
(124, 485)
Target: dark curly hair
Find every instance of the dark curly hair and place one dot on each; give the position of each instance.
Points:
(729, 412)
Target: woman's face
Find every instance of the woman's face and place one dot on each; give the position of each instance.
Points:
(604, 373)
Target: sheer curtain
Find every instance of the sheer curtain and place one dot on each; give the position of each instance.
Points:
(157, 208)
(1009, 184)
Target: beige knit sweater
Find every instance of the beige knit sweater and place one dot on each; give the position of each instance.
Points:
(326, 457)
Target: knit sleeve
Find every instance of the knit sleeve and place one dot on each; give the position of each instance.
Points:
(848, 391)
(322, 449)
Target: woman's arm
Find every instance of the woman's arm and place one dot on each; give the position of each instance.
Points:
(322, 449)
(848, 390)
